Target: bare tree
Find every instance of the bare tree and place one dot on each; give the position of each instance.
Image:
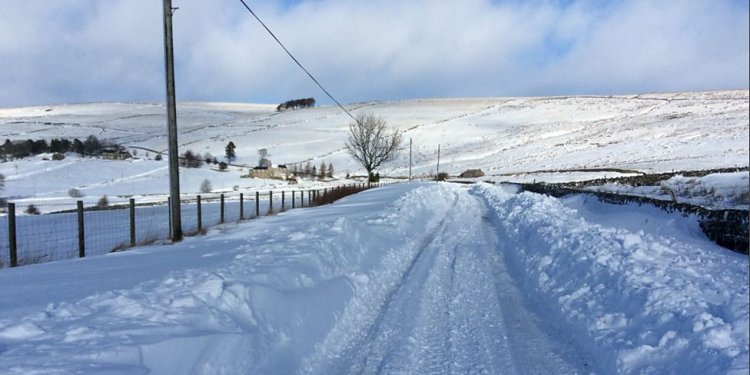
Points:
(103, 202)
(206, 186)
(263, 160)
(371, 143)
(31, 210)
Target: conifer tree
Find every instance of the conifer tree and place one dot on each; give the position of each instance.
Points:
(322, 173)
(230, 151)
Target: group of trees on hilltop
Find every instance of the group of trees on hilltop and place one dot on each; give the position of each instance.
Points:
(91, 146)
(296, 103)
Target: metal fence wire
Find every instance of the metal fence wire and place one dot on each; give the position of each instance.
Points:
(77, 231)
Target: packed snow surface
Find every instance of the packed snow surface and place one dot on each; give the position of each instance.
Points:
(418, 278)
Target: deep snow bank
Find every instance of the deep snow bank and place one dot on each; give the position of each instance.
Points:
(260, 297)
(637, 301)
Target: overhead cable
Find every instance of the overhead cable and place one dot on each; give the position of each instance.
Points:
(297, 61)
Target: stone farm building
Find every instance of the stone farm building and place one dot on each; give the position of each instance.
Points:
(115, 154)
(472, 173)
(279, 172)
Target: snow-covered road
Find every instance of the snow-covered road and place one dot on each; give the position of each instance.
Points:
(410, 278)
(454, 310)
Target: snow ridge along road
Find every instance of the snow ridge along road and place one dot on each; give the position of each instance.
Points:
(420, 278)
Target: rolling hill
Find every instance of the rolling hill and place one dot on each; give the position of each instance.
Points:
(508, 138)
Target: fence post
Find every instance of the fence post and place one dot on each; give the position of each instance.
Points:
(257, 204)
(242, 207)
(12, 245)
(270, 202)
(200, 216)
(81, 234)
(302, 198)
(292, 199)
(132, 222)
(221, 210)
(283, 205)
(309, 197)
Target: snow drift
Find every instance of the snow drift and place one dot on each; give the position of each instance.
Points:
(643, 300)
(422, 278)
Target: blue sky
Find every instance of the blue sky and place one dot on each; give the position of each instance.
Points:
(67, 51)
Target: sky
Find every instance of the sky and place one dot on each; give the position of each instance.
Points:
(72, 51)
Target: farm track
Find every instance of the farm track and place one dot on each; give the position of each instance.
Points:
(455, 309)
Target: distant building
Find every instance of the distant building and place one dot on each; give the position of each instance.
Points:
(279, 172)
(472, 173)
(112, 153)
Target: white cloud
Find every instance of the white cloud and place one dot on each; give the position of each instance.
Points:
(658, 46)
(76, 50)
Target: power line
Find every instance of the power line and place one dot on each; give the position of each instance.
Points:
(297, 61)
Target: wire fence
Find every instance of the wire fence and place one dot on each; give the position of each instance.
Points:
(80, 231)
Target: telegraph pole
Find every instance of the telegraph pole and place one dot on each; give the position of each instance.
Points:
(174, 168)
(438, 165)
(409, 159)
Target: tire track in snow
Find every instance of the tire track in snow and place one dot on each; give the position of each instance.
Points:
(355, 326)
(459, 327)
(454, 310)
(443, 317)
(372, 355)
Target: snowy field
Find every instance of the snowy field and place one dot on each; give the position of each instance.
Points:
(417, 278)
(510, 139)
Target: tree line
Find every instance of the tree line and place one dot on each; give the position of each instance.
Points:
(190, 159)
(91, 146)
(309, 170)
(296, 103)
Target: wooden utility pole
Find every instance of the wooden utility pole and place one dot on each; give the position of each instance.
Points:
(438, 164)
(410, 159)
(174, 167)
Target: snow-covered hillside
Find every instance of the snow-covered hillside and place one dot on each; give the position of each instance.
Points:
(421, 278)
(415, 277)
(502, 136)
